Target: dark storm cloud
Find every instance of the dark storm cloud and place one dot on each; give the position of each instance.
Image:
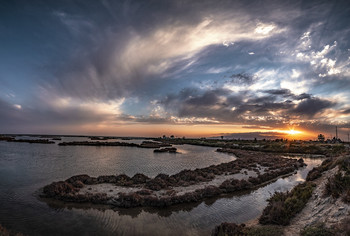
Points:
(244, 106)
(209, 98)
(286, 93)
(283, 92)
(302, 96)
(310, 107)
(347, 111)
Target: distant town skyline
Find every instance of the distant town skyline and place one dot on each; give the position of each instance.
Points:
(241, 69)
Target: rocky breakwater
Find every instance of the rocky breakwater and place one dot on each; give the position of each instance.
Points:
(249, 171)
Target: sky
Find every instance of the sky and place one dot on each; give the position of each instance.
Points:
(239, 69)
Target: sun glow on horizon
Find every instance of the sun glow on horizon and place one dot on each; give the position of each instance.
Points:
(293, 132)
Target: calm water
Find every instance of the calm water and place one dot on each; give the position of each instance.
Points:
(25, 168)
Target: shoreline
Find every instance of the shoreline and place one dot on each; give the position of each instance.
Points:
(250, 170)
(322, 213)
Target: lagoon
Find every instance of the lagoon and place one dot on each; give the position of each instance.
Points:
(25, 168)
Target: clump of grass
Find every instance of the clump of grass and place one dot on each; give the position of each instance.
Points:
(318, 229)
(266, 230)
(6, 232)
(345, 164)
(317, 171)
(232, 229)
(343, 228)
(283, 207)
(339, 184)
(227, 229)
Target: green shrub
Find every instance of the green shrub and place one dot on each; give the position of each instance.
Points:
(232, 229)
(316, 230)
(283, 207)
(229, 229)
(267, 230)
(337, 185)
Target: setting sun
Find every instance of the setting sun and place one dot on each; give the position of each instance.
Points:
(293, 132)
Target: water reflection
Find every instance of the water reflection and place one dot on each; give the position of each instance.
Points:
(24, 168)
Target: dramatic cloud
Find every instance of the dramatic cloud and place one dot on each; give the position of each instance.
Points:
(310, 107)
(83, 66)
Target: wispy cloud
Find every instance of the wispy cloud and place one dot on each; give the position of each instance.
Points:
(112, 63)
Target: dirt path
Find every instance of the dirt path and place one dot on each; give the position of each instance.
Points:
(319, 208)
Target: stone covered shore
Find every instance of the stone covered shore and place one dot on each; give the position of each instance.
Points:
(248, 171)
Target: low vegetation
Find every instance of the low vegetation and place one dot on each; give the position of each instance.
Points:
(283, 207)
(6, 232)
(267, 167)
(226, 229)
(276, 146)
(339, 185)
(318, 229)
(317, 171)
